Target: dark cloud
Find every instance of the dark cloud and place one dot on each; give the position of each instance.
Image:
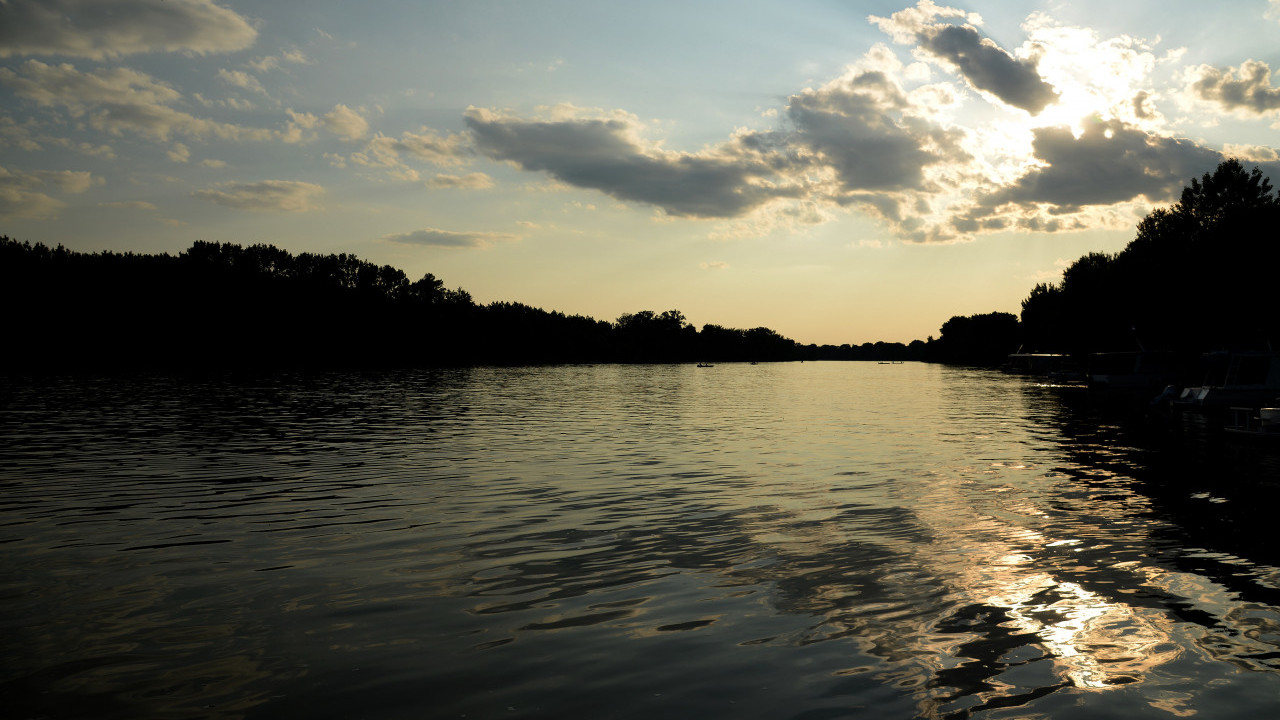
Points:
(95, 29)
(1109, 163)
(450, 238)
(844, 140)
(854, 127)
(600, 154)
(1247, 88)
(987, 67)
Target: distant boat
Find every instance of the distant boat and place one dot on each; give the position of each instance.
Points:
(705, 365)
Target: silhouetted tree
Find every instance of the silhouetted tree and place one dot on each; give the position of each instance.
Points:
(977, 339)
(1197, 276)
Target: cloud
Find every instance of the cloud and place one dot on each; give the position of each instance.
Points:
(129, 205)
(117, 100)
(1246, 89)
(606, 154)
(1252, 153)
(267, 195)
(345, 123)
(179, 153)
(449, 238)
(885, 139)
(242, 80)
(22, 196)
(1109, 164)
(860, 140)
(69, 181)
(715, 265)
(857, 126)
(982, 63)
(273, 62)
(470, 181)
(100, 30)
(29, 137)
(425, 145)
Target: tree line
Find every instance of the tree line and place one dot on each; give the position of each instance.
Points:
(221, 305)
(1199, 276)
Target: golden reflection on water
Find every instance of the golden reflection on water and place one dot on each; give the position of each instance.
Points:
(990, 543)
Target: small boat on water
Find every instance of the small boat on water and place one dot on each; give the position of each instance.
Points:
(705, 364)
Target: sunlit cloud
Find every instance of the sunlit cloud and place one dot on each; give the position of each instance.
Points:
(985, 66)
(449, 238)
(1252, 153)
(242, 80)
(345, 123)
(1246, 89)
(30, 137)
(22, 194)
(179, 153)
(274, 62)
(69, 181)
(267, 195)
(425, 145)
(886, 139)
(98, 30)
(116, 101)
(714, 265)
(470, 181)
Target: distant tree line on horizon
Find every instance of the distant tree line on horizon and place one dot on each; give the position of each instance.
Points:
(220, 305)
(1199, 276)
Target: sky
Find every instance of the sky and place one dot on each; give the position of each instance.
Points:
(840, 172)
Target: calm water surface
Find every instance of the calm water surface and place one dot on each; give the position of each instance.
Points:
(818, 540)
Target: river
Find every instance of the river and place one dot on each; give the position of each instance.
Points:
(794, 540)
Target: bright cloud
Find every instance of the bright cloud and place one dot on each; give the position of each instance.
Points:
(267, 195)
(893, 142)
(99, 30)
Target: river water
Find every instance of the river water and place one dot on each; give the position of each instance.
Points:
(800, 540)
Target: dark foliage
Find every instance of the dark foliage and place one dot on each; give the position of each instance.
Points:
(1198, 276)
(219, 306)
(977, 339)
